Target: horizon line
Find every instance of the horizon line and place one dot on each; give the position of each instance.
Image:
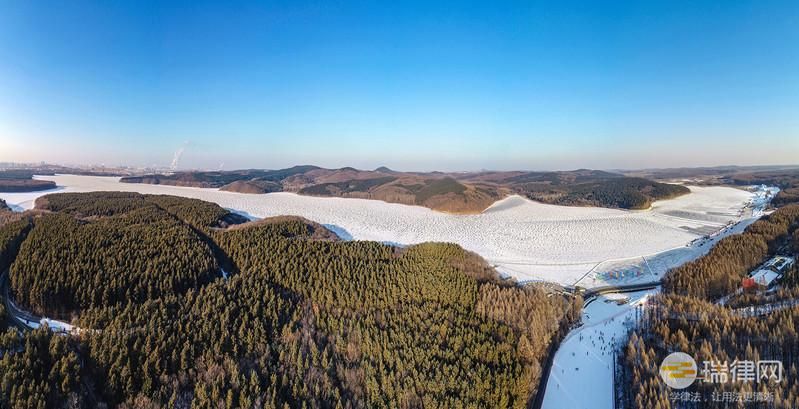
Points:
(163, 168)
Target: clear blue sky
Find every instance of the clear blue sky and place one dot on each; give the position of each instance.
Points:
(446, 85)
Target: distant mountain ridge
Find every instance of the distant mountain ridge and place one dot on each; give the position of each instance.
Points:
(470, 192)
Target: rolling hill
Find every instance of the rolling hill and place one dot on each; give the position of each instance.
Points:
(22, 181)
(448, 192)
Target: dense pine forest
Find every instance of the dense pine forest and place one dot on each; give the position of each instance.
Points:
(601, 189)
(302, 320)
(720, 272)
(704, 312)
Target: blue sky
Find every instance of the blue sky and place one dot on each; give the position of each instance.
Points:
(411, 85)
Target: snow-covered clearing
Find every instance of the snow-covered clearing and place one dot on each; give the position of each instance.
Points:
(31, 321)
(524, 239)
(582, 370)
(59, 326)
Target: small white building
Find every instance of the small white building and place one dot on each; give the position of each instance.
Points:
(765, 277)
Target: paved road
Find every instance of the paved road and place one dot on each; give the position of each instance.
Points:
(19, 318)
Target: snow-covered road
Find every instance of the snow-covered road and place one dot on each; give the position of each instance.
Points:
(27, 320)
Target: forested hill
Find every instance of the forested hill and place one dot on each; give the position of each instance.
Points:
(613, 192)
(303, 321)
(787, 180)
(22, 181)
(458, 192)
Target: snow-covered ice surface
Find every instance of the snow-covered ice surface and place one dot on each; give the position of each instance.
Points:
(696, 206)
(582, 370)
(23, 201)
(524, 239)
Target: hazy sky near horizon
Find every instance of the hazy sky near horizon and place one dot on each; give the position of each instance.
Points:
(420, 85)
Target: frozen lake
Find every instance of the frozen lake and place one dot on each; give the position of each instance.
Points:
(524, 239)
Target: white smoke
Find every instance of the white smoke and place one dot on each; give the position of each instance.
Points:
(178, 154)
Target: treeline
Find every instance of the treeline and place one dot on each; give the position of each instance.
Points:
(11, 236)
(94, 204)
(787, 196)
(708, 332)
(198, 213)
(217, 179)
(66, 264)
(40, 370)
(614, 192)
(343, 188)
(22, 181)
(625, 193)
(786, 180)
(304, 322)
(99, 204)
(720, 271)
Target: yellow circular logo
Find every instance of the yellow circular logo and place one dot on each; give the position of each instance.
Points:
(678, 370)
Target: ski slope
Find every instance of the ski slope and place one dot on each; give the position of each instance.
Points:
(582, 370)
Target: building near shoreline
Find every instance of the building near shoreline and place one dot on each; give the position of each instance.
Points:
(771, 271)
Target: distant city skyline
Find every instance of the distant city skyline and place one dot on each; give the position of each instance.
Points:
(413, 86)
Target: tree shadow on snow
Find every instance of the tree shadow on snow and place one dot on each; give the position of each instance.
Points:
(243, 213)
(339, 231)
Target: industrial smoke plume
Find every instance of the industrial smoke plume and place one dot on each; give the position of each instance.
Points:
(178, 154)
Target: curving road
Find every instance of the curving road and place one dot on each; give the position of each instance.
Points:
(24, 320)
(19, 318)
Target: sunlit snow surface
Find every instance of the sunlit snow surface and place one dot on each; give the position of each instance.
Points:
(525, 239)
(582, 370)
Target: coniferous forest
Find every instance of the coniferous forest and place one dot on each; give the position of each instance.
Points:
(176, 308)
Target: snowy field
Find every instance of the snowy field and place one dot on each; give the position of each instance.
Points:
(582, 370)
(524, 239)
